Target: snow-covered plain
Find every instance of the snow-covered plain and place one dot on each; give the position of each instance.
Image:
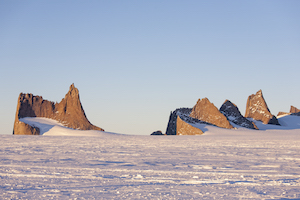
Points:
(221, 164)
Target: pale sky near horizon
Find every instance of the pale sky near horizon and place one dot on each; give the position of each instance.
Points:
(135, 61)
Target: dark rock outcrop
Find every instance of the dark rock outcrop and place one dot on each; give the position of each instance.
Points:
(233, 114)
(257, 109)
(206, 111)
(69, 112)
(157, 133)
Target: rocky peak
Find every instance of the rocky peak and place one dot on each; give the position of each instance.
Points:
(294, 110)
(231, 111)
(257, 109)
(69, 112)
(206, 111)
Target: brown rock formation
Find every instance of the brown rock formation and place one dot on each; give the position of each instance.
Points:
(257, 109)
(208, 112)
(69, 112)
(180, 119)
(283, 113)
(294, 110)
(184, 128)
(231, 111)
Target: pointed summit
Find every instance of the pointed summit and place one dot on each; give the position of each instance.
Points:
(231, 111)
(294, 110)
(69, 112)
(206, 111)
(257, 109)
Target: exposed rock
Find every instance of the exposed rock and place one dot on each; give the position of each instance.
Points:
(294, 110)
(69, 112)
(282, 113)
(184, 128)
(20, 128)
(233, 114)
(208, 112)
(157, 133)
(184, 115)
(257, 109)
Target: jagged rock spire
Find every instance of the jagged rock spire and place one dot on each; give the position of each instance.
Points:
(257, 109)
(69, 112)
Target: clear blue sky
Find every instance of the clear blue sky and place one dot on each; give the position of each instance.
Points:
(135, 61)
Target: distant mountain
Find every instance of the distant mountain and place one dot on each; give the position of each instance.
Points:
(257, 109)
(295, 111)
(189, 121)
(69, 112)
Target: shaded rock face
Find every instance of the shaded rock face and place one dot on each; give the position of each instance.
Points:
(184, 128)
(208, 112)
(233, 114)
(157, 133)
(69, 112)
(257, 109)
(172, 126)
(184, 117)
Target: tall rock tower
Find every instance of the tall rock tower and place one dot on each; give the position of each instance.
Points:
(257, 109)
(69, 112)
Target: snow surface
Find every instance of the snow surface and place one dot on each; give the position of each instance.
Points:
(221, 164)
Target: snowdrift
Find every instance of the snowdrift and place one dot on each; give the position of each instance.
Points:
(289, 124)
(53, 127)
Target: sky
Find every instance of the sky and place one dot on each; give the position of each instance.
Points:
(136, 61)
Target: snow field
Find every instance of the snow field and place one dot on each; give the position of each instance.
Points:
(236, 165)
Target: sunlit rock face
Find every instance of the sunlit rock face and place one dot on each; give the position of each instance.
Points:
(295, 111)
(233, 114)
(184, 128)
(69, 112)
(206, 111)
(257, 109)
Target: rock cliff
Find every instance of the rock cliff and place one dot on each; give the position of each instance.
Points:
(206, 111)
(184, 128)
(294, 110)
(69, 112)
(180, 123)
(257, 109)
(233, 114)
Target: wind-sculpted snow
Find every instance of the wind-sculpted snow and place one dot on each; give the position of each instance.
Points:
(221, 164)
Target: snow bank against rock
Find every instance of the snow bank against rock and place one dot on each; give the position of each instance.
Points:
(53, 127)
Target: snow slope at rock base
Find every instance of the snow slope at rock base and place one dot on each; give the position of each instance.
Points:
(221, 164)
(53, 127)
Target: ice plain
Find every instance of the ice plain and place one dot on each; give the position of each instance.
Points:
(221, 164)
